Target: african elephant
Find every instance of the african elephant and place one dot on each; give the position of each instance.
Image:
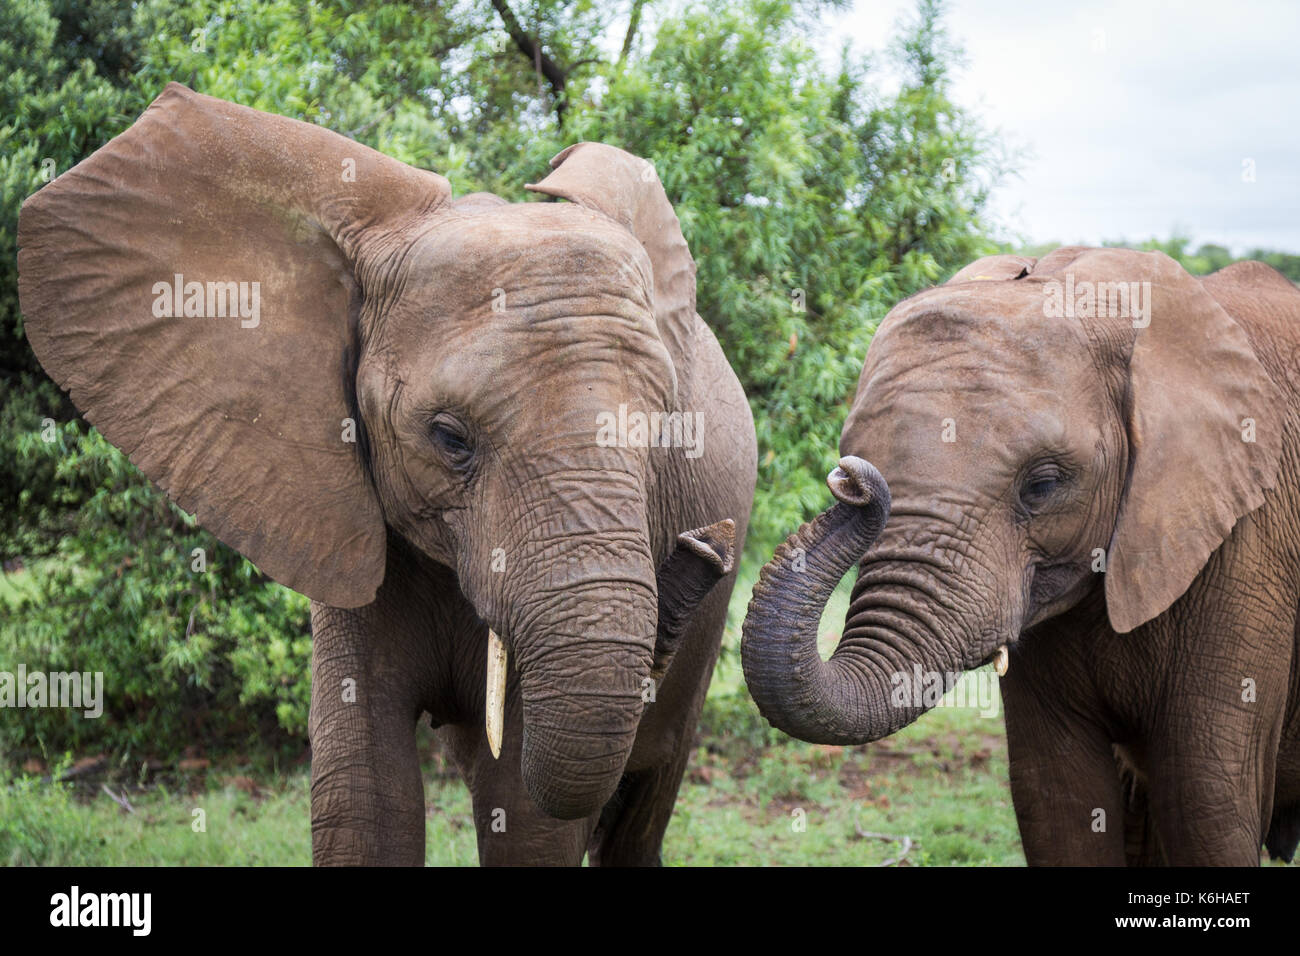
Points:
(494, 444)
(1094, 464)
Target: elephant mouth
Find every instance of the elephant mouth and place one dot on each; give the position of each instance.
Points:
(572, 747)
(1046, 586)
(994, 648)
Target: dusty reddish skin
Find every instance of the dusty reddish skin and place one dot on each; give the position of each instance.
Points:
(1074, 437)
(473, 343)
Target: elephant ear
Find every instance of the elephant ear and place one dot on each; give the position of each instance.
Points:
(994, 267)
(196, 284)
(1205, 435)
(627, 189)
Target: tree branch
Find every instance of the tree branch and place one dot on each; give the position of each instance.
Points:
(353, 134)
(632, 24)
(531, 48)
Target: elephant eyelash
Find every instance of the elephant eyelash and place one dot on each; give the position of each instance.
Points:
(452, 441)
(1040, 483)
(1041, 487)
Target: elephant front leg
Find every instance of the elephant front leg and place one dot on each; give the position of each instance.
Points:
(367, 799)
(1212, 774)
(1215, 729)
(1064, 781)
(511, 830)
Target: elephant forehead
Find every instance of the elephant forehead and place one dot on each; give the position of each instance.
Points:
(555, 289)
(923, 442)
(916, 418)
(951, 388)
(964, 342)
(523, 326)
(529, 253)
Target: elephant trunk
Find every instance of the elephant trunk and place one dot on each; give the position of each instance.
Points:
(582, 674)
(575, 613)
(846, 699)
(902, 647)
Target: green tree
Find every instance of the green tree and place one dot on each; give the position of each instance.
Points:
(1209, 257)
(812, 203)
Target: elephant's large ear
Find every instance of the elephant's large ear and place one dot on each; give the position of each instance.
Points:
(196, 284)
(627, 189)
(1205, 429)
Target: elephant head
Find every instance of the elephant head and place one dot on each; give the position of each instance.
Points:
(311, 346)
(1039, 422)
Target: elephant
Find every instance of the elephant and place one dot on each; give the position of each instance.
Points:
(1085, 469)
(492, 442)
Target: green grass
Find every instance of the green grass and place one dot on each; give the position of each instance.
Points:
(751, 795)
(48, 825)
(941, 783)
(244, 822)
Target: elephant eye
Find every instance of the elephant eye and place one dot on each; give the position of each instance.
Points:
(1039, 485)
(450, 439)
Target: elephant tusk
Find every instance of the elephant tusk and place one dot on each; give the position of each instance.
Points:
(497, 657)
(1001, 661)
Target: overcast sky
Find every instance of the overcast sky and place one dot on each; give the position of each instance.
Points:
(1136, 117)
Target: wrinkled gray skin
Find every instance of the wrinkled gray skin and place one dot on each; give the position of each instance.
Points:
(1153, 710)
(470, 347)
(586, 761)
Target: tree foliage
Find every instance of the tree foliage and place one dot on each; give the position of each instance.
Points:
(1209, 257)
(811, 199)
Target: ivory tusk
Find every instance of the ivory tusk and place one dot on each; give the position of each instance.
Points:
(497, 657)
(1001, 661)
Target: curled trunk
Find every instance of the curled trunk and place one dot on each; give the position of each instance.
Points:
(892, 633)
(702, 557)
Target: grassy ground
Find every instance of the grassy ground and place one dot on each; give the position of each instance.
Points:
(934, 794)
(941, 784)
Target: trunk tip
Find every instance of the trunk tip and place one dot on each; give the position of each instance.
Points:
(856, 482)
(715, 544)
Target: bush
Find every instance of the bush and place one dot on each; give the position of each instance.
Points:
(40, 823)
(195, 646)
(811, 202)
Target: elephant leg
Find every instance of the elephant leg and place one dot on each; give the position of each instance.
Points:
(511, 830)
(1206, 805)
(367, 801)
(1064, 782)
(1215, 728)
(1066, 793)
(1211, 780)
(372, 669)
(632, 826)
(1284, 834)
